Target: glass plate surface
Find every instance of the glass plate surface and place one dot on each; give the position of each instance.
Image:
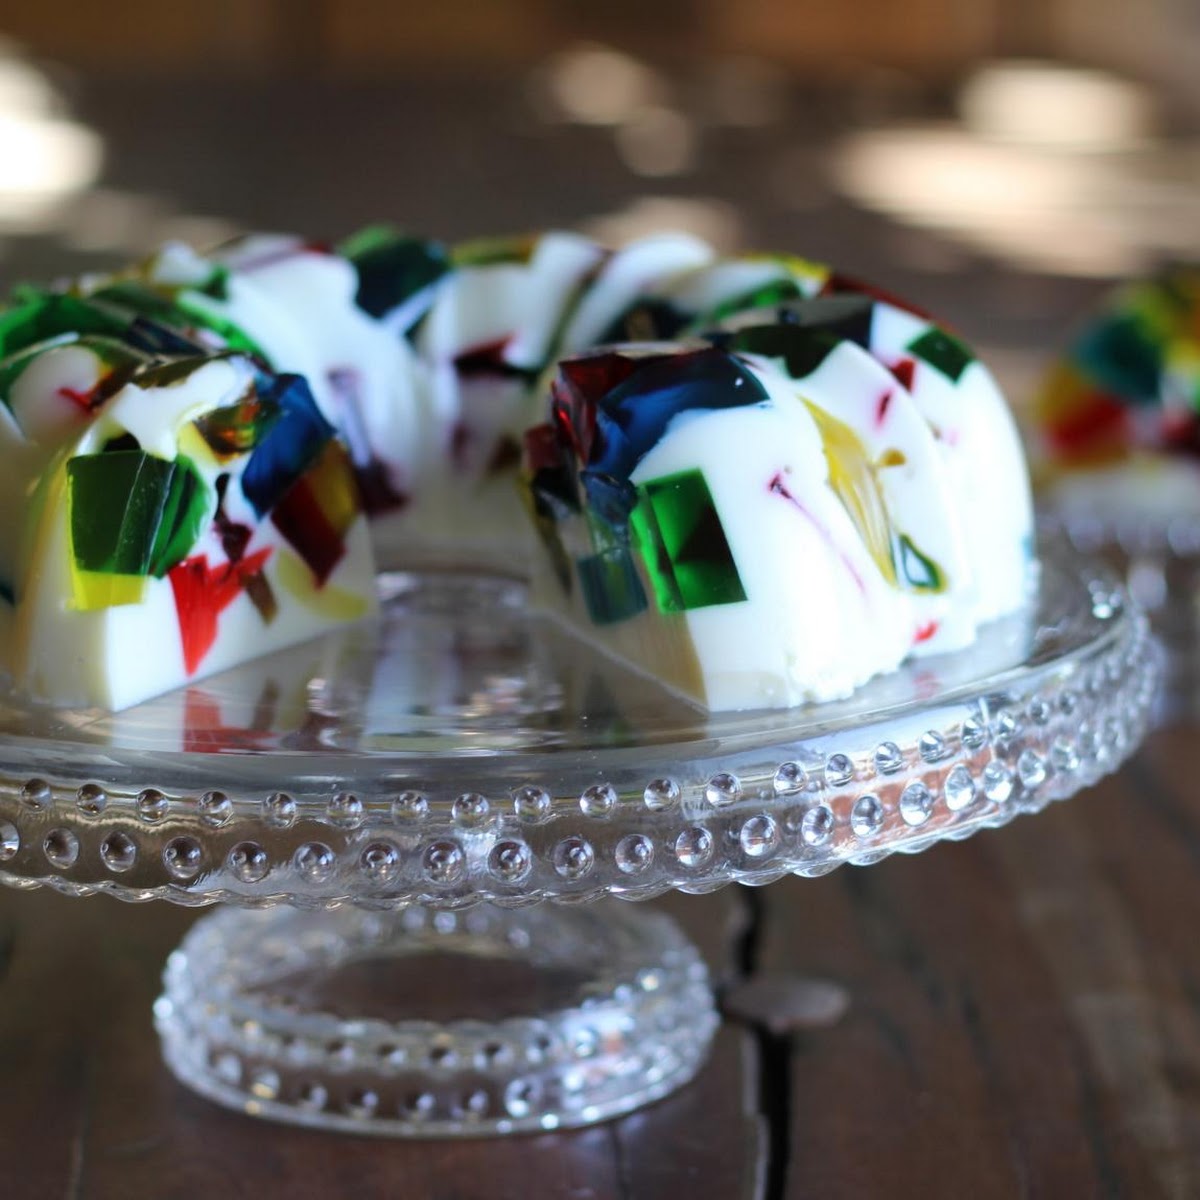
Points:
(467, 748)
(1159, 560)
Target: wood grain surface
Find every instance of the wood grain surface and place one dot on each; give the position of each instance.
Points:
(1011, 1016)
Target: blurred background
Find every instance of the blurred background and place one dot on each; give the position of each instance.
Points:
(998, 161)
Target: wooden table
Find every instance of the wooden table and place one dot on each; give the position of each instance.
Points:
(1015, 1015)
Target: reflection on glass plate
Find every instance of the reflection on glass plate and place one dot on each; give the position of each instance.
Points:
(461, 665)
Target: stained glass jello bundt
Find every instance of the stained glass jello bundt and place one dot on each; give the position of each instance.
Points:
(760, 483)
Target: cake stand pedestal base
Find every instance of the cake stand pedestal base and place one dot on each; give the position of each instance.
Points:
(558, 1017)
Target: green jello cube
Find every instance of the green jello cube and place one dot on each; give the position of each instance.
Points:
(942, 351)
(684, 544)
(392, 267)
(132, 513)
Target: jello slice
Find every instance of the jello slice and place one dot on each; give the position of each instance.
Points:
(202, 515)
(292, 306)
(693, 527)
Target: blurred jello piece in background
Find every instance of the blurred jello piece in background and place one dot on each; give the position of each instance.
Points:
(1116, 452)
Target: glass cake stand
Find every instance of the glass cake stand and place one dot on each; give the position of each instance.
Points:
(1159, 561)
(369, 790)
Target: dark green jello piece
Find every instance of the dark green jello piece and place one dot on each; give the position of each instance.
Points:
(801, 350)
(38, 316)
(138, 298)
(684, 544)
(769, 295)
(43, 316)
(942, 351)
(1123, 357)
(179, 311)
(844, 317)
(392, 267)
(217, 284)
(133, 513)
